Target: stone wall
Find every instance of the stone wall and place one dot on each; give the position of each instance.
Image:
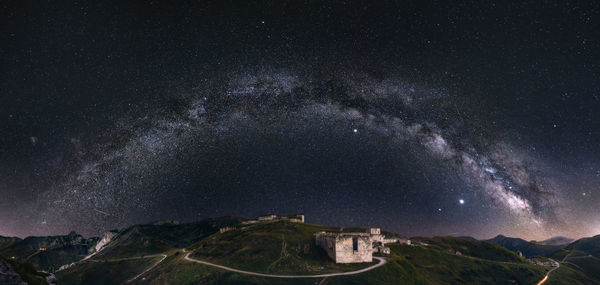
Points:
(327, 243)
(353, 248)
(295, 218)
(346, 247)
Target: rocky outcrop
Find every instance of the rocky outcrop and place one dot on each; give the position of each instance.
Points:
(106, 238)
(8, 276)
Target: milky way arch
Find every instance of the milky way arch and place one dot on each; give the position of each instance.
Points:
(113, 182)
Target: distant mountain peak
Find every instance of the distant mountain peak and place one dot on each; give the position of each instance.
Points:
(555, 240)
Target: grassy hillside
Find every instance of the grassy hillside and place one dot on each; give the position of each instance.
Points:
(480, 249)
(111, 271)
(581, 264)
(49, 253)
(428, 265)
(288, 248)
(26, 271)
(157, 238)
(569, 274)
(278, 247)
(529, 249)
(589, 246)
(406, 265)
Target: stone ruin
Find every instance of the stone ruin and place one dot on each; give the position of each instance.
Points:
(346, 247)
(295, 218)
(355, 247)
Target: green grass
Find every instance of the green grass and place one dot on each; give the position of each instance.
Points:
(571, 275)
(51, 260)
(479, 249)
(104, 272)
(579, 267)
(289, 248)
(588, 245)
(174, 270)
(422, 265)
(60, 250)
(152, 239)
(277, 247)
(28, 272)
(406, 265)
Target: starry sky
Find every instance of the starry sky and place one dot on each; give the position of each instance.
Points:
(421, 117)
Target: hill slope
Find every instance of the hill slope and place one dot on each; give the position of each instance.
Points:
(557, 240)
(260, 248)
(8, 242)
(160, 237)
(49, 253)
(288, 248)
(278, 247)
(528, 249)
(580, 262)
(284, 248)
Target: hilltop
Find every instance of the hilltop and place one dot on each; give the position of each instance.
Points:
(288, 248)
(528, 249)
(164, 252)
(49, 252)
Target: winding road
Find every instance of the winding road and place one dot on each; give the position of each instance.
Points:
(382, 262)
(547, 275)
(163, 256)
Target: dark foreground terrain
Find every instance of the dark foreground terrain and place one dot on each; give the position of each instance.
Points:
(166, 253)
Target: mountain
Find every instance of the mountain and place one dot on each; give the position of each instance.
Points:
(557, 240)
(50, 252)
(162, 236)
(8, 241)
(173, 253)
(469, 238)
(528, 249)
(15, 273)
(582, 259)
(590, 246)
(287, 248)
(8, 275)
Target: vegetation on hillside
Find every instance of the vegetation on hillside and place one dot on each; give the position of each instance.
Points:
(288, 248)
(157, 238)
(276, 247)
(110, 271)
(528, 249)
(27, 272)
(50, 252)
(479, 249)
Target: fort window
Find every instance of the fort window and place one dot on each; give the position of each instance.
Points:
(355, 243)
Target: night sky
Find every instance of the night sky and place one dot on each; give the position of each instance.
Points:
(424, 118)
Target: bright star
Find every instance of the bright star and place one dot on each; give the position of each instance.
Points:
(461, 201)
(355, 131)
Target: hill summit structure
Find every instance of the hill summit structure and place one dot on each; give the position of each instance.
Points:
(296, 218)
(354, 247)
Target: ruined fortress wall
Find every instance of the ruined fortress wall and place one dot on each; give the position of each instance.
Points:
(327, 243)
(345, 253)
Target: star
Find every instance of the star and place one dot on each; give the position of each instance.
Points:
(461, 201)
(355, 131)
